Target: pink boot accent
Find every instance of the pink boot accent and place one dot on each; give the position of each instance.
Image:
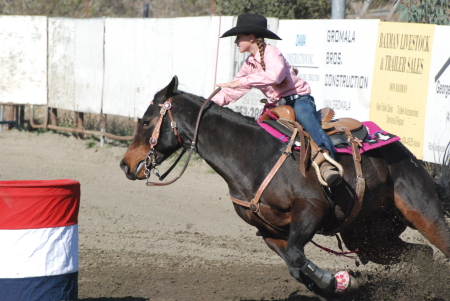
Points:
(342, 281)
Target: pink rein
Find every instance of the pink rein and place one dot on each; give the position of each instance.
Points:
(343, 254)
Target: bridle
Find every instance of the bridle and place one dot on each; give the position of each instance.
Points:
(150, 160)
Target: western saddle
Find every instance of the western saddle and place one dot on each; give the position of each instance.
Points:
(343, 132)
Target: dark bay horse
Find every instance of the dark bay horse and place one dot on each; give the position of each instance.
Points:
(399, 192)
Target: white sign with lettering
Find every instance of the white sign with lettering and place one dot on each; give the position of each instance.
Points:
(336, 57)
(437, 119)
(302, 46)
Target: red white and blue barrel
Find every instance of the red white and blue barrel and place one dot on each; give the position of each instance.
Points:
(39, 240)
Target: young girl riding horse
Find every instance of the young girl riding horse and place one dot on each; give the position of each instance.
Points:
(267, 69)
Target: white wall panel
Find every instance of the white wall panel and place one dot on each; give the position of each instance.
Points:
(196, 42)
(23, 60)
(88, 65)
(142, 56)
(120, 74)
(61, 62)
(225, 54)
(138, 63)
(154, 65)
(75, 78)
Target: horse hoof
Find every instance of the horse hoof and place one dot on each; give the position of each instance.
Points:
(345, 283)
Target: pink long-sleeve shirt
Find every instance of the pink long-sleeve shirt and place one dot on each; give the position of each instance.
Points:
(279, 79)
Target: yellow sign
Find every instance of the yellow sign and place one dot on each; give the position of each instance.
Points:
(400, 81)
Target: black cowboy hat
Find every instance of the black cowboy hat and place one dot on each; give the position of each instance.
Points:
(251, 24)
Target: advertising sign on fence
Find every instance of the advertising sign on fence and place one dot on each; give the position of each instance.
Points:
(402, 67)
(336, 58)
(348, 66)
(303, 47)
(437, 123)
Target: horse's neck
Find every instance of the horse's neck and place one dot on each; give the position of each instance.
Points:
(233, 146)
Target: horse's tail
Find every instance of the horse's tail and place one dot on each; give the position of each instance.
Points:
(442, 180)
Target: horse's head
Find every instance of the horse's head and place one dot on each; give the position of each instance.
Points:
(144, 154)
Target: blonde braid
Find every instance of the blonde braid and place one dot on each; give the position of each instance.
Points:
(261, 45)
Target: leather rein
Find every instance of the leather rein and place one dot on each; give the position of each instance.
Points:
(150, 161)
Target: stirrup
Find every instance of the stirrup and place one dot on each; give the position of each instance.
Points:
(332, 162)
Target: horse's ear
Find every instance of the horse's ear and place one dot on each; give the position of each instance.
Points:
(171, 87)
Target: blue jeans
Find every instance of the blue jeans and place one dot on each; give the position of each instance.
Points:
(305, 113)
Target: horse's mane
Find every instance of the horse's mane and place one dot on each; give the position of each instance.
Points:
(224, 112)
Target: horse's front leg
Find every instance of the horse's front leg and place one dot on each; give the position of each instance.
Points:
(306, 220)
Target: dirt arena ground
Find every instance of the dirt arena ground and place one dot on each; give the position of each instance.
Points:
(184, 241)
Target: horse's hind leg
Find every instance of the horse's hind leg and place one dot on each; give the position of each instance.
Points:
(416, 198)
(370, 238)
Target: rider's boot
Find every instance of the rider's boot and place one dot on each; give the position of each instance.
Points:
(329, 171)
(330, 174)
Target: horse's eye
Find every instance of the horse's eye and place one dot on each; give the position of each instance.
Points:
(145, 123)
